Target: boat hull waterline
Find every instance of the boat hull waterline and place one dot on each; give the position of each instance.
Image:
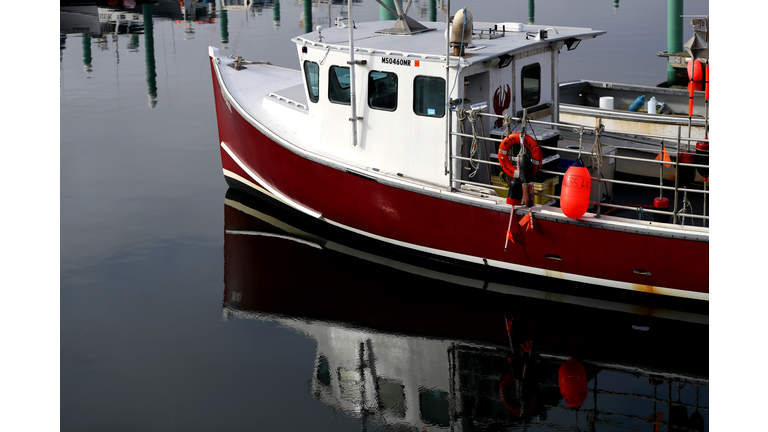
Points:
(445, 224)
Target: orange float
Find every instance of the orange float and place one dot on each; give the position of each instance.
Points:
(574, 194)
(695, 71)
(573, 383)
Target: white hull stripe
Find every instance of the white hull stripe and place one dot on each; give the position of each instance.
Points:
(271, 190)
(268, 234)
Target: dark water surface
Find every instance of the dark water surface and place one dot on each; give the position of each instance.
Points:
(185, 306)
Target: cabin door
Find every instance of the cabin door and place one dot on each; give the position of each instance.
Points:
(477, 90)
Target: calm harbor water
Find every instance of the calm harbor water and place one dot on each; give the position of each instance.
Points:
(185, 306)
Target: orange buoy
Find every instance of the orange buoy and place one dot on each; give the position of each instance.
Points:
(696, 83)
(691, 88)
(695, 71)
(573, 383)
(706, 84)
(574, 194)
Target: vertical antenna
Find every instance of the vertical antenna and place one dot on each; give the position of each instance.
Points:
(352, 95)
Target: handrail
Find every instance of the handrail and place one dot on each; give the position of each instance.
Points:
(591, 129)
(673, 149)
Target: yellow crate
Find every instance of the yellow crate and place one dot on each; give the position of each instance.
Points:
(501, 189)
(545, 187)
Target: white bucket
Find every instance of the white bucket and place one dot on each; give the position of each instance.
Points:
(606, 102)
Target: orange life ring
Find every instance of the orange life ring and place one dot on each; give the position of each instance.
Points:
(506, 149)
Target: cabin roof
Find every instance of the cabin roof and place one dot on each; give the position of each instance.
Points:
(432, 44)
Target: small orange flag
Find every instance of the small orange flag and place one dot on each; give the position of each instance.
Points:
(509, 236)
(526, 220)
(664, 155)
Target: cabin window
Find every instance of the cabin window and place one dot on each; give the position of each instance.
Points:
(323, 371)
(429, 96)
(434, 407)
(312, 74)
(382, 90)
(531, 83)
(338, 85)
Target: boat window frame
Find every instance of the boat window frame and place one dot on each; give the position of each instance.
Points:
(415, 98)
(371, 86)
(527, 102)
(314, 98)
(334, 85)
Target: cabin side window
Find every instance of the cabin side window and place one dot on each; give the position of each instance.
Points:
(312, 75)
(338, 85)
(382, 90)
(429, 96)
(531, 85)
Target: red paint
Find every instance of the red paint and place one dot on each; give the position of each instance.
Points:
(501, 101)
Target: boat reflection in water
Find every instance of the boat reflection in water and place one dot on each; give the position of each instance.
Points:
(402, 346)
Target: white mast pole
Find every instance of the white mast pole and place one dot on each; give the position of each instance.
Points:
(352, 95)
(448, 96)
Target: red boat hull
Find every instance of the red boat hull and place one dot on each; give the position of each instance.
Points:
(456, 230)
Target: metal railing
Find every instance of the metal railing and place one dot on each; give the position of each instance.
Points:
(680, 143)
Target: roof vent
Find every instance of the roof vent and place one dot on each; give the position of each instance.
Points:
(461, 32)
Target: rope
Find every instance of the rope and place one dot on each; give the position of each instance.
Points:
(684, 210)
(326, 55)
(473, 122)
(597, 149)
(507, 123)
(461, 115)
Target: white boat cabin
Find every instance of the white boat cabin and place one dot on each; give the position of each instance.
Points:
(403, 90)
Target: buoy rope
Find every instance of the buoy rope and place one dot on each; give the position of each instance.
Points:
(580, 130)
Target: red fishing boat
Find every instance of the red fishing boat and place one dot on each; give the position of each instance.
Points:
(409, 134)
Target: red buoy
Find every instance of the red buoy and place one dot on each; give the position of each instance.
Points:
(574, 194)
(660, 203)
(573, 383)
(702, 158)
(686, 174)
